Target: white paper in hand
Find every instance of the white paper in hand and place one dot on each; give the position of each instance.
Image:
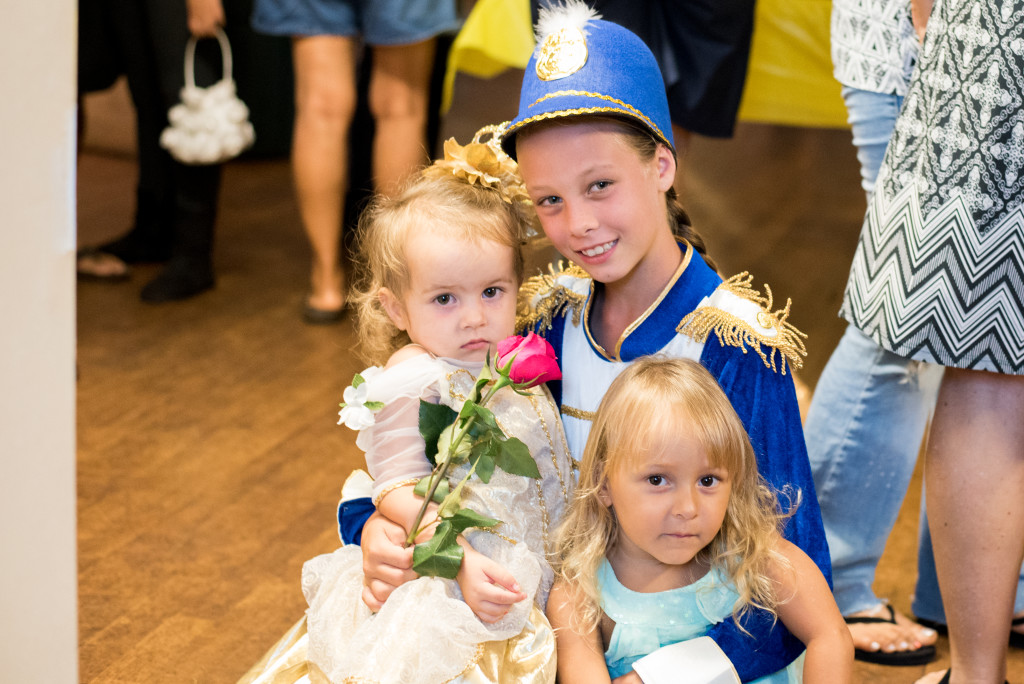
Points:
(697, 661)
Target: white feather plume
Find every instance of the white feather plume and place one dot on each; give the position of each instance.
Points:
(555, 15)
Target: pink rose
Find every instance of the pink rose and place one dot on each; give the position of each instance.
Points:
(533, 360)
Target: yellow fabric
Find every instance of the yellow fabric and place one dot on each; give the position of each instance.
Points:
(285, 662)
(528, 658)
(496, 36)
(789, 79)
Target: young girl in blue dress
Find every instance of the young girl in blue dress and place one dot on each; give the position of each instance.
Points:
(672, 530)
(594, 147)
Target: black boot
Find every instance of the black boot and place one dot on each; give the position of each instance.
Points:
(149, 240)
(190, 270)
(181, 278)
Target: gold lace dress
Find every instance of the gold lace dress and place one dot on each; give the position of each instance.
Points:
(425, 632)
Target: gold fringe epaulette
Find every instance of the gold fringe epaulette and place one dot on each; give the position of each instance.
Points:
(736, 332)
(542, 298)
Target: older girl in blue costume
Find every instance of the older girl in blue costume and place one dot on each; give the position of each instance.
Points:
(593, 141)
(593, 144)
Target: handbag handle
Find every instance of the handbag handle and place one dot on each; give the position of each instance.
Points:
(190, 58)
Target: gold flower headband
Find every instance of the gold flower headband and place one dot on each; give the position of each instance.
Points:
(483, 162)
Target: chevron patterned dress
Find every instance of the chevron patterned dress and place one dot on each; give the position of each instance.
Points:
(938, 274)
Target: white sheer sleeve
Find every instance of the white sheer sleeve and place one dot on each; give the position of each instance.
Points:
(393, 445)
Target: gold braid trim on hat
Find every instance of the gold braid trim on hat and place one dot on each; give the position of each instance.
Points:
(630, 109)
(542, 298)
(735, 332)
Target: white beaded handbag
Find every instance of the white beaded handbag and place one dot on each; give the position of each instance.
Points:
(209, 125)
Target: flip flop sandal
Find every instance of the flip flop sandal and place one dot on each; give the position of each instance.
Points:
(1017, 638)
(918, 656)
(91, 263)
(939, 627)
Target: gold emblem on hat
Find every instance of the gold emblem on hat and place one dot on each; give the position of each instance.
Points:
(563, 52)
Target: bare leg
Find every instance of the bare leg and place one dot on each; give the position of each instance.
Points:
(399, 94)
(325, 99)
(975, 475)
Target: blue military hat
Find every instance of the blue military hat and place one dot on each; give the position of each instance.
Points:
(582, 66)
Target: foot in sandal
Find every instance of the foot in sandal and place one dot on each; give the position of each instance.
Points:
(885, 637)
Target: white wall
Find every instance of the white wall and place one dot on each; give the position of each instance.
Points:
(38, 616)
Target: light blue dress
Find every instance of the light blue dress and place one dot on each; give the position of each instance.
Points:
(644, 622)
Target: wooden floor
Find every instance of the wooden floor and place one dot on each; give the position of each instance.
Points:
(209, 461)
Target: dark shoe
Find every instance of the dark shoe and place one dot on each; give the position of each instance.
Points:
(315, 316)
(92, 263)
(939, 627)
(945, 678)
(918, 656)
(1016, 638)
(136, 248)
(180, 279)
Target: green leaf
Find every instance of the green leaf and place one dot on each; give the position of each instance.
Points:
(357, 380)
(374, 405)
(484, 453)
(514, 457)
(434, 418)
(441, 556)
(506, 370)
(466, 518)
(482, 379)
(424, 484)
(449, 507)
(483, 415)
(444, 443)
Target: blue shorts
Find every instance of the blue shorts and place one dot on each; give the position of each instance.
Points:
(377, 22)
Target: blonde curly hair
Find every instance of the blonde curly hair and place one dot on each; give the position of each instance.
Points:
(473, 194)
(654, 398)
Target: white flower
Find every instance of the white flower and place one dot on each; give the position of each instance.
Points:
(356, 412)
(356, 417)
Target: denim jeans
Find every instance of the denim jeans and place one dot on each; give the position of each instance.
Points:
(863, 431)
(872, 118)
(869, 412)
(866, 422)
